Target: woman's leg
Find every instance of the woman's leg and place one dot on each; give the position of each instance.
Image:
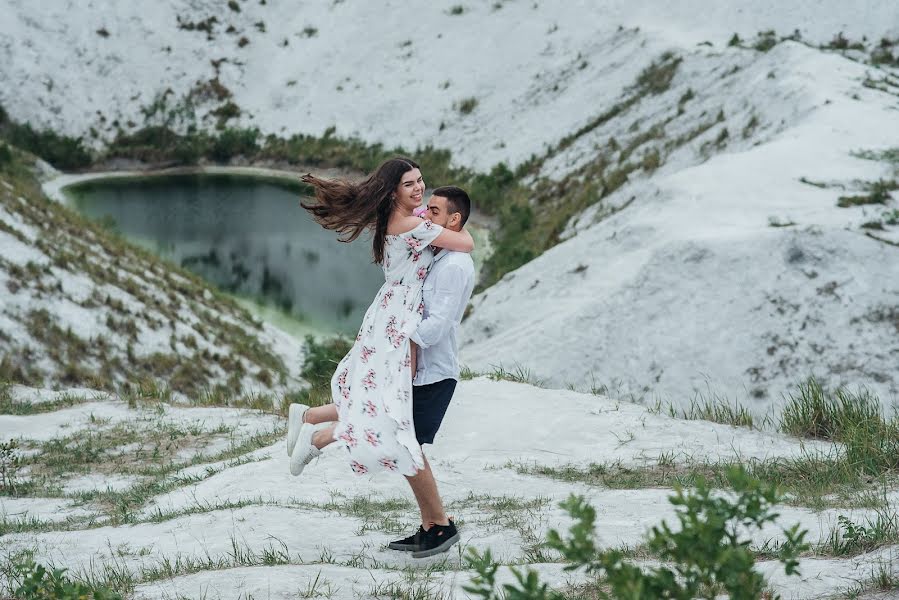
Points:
(323, 437)
(413, 355)
(321, 414)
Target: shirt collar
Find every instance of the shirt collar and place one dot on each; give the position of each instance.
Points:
(441, 253)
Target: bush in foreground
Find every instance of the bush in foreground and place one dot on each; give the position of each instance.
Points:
(704, 558)
(35, 582)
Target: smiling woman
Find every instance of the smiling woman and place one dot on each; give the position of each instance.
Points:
(372, 386)
(244, 235)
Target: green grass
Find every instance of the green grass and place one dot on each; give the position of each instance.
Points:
(718, 410)
(851, 539)
(517, 374)
(878, 193)
(816, 481)
(813, 412)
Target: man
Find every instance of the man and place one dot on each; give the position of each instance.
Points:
(447, 290)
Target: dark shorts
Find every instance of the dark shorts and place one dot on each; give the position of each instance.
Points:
(429, 404)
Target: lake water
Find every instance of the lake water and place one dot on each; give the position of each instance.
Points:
(246, 235)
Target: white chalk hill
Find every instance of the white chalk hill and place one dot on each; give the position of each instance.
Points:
(691, 286)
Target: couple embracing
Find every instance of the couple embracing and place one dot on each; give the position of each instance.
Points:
(391, 391)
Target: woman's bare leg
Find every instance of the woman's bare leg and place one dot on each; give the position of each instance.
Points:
(413, 354)
(323, 437)
(321, 414)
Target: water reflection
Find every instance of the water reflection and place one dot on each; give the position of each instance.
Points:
(247, 236)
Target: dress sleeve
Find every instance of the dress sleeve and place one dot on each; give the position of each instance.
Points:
(425, 233)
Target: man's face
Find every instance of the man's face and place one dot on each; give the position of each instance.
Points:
(439, 214)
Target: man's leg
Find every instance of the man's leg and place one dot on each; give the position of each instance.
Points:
(428, 498)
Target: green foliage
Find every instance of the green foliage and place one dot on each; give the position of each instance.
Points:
(227, 111)
(5, 155)
(321, 360)
(234, 142)
(816, 413)
(850, 539)
(841, 42)
(61, 151)
(467, 105)
(870, 441)
(10, 462)
(765, 40)
(878, 193)
(703, 558)
(656, 78)
(37, 583)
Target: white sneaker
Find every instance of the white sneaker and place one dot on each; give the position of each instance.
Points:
(295, 415)
(304, 451)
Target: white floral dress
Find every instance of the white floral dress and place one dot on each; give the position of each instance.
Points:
(372, 386)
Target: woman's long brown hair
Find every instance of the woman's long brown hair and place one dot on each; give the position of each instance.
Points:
(351, 208)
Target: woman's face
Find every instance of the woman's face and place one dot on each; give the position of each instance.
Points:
(411, 190)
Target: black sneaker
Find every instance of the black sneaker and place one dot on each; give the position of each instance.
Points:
(437, 539)
(410, 543)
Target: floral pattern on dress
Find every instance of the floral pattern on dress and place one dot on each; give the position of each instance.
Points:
(376, 371)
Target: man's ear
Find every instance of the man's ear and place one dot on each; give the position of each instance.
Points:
(455, 220)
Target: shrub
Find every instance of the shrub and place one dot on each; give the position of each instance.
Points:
(657, 77)
(883, 56)
(765, 41)
(320, 362)
(37, 583)
(706, 556)
(227, 111)
(10, 462)
(234, 142)
(840, 42)
(879, 193)
(5, 155)
(467, 105)
(61, 151)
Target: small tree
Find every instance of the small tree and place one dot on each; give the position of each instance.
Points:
(705, 558)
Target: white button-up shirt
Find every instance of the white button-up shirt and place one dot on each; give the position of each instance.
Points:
(446, 292)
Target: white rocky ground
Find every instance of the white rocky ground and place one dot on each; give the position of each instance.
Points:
(224, 519)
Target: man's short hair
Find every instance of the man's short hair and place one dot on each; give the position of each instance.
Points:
(457, 200)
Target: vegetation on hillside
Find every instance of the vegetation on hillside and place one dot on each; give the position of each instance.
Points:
(214, 344)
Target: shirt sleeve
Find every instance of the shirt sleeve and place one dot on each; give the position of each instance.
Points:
(443, 307)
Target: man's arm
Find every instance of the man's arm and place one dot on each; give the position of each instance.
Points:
(443, 308)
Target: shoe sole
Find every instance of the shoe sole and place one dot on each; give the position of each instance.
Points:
(294, 422)
(305, 438)
(402, 547)
(437, 550)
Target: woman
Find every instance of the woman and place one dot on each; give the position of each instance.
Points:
(372, 386)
